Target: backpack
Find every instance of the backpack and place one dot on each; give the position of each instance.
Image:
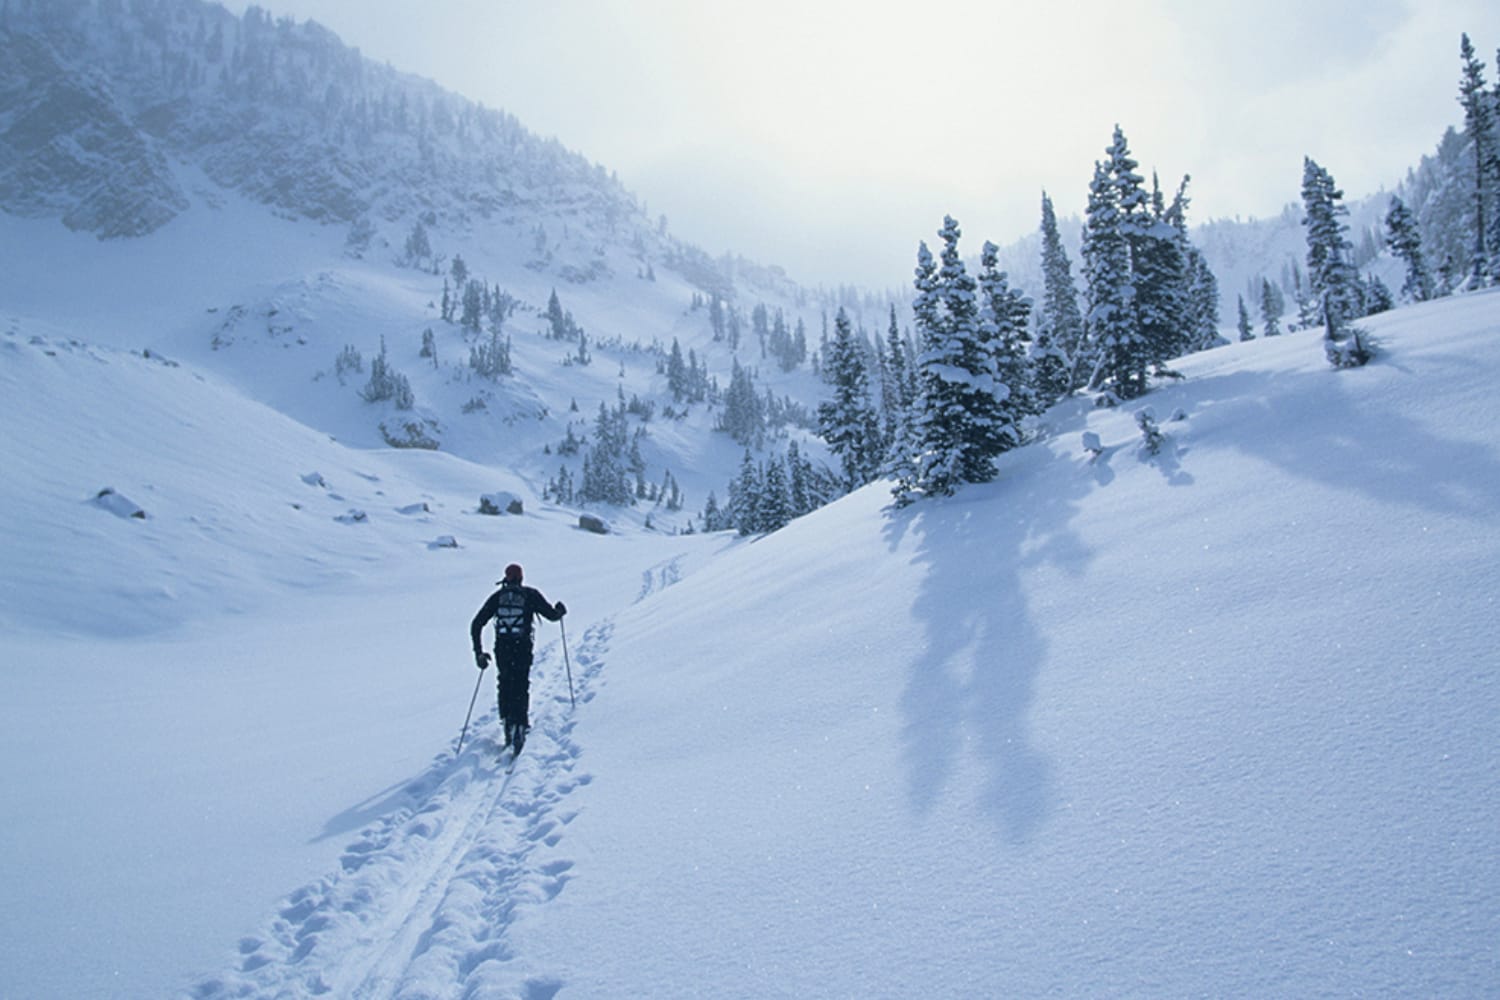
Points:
(510, 614)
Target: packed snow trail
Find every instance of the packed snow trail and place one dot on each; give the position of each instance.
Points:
(423, 901)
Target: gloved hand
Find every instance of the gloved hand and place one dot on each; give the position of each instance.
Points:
(481, 660)
(560, 608)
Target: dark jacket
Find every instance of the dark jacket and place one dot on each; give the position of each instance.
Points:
(512, 608)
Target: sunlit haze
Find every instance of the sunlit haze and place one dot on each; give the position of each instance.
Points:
(829, 136)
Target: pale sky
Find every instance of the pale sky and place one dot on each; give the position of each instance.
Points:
(830, 136)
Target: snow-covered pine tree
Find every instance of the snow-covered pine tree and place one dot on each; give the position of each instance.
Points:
(1158, 264)
(1331, 276)
(387, 383)
(1003, 315)
(1247, 332)
(473, 305)
(1479, 125)
(492, 359)
(775, 497)
(848, 421)
(1405, 241)
(1114, 342)
(713, 517)
(677, 373)
(801, 491)
(743, 511)
(743, 417)
(1272, 305)
(957, 428)
(418, 246)
(1202, 303)
(1062, 364)
(1198, 297)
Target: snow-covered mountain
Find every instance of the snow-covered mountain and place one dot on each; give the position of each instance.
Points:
(274, 208)
(1214, 721)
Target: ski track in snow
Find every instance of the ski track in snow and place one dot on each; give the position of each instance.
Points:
(659, 577)
(424, 899)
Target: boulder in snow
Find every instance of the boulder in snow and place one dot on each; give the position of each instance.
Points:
(443, 542)
(594, 523)
(118, 504)
(500, 503)
(355, 516)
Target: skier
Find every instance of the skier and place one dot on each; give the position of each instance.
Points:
(512, 609)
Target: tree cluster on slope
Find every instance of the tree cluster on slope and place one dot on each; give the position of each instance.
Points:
(386, 383)
(767, 495)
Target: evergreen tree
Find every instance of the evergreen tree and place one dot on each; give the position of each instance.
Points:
(744, 498)
(1272, 305)
(1004, 313)
(801, 498)
(1479, 124)
(1331, 276)
(612, 463)
(1159, 269)
(1203, 304)
(492, 359)
(473, 306)
(1406, 244)
(1113, 338)
(1247, 332)
(1060, 340)
(744, 413)
(775, 497)
(848, 422)
(677, 373)
(958, 426)
(418, 247)
(713, 517)
(387, 384)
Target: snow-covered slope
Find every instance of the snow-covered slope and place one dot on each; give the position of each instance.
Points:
(1221, 721)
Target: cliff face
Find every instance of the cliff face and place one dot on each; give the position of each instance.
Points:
(102, 102)
(68, 149)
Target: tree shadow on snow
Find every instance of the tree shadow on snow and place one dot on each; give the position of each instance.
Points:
(1314, 427)
(970, 695)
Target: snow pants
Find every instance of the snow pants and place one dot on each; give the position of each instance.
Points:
(513, 679)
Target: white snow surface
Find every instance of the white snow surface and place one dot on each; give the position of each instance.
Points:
(1218, 722)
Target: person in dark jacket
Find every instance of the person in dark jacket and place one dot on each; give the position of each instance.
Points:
(512, 608)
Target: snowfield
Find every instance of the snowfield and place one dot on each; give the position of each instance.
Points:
(1219, 721)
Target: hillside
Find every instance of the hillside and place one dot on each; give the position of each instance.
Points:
(1215, 722)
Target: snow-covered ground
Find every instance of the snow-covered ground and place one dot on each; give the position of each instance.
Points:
(1219, 722)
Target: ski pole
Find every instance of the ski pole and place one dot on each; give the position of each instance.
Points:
(571, 700)
(470, 714)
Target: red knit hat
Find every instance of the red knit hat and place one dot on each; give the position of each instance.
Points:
(513, 573)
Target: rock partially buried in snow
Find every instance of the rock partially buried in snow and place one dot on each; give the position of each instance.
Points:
(355, 516)
(443, 542)
(118, 504)
(414, 508)
(594, 523)
(500, 503)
